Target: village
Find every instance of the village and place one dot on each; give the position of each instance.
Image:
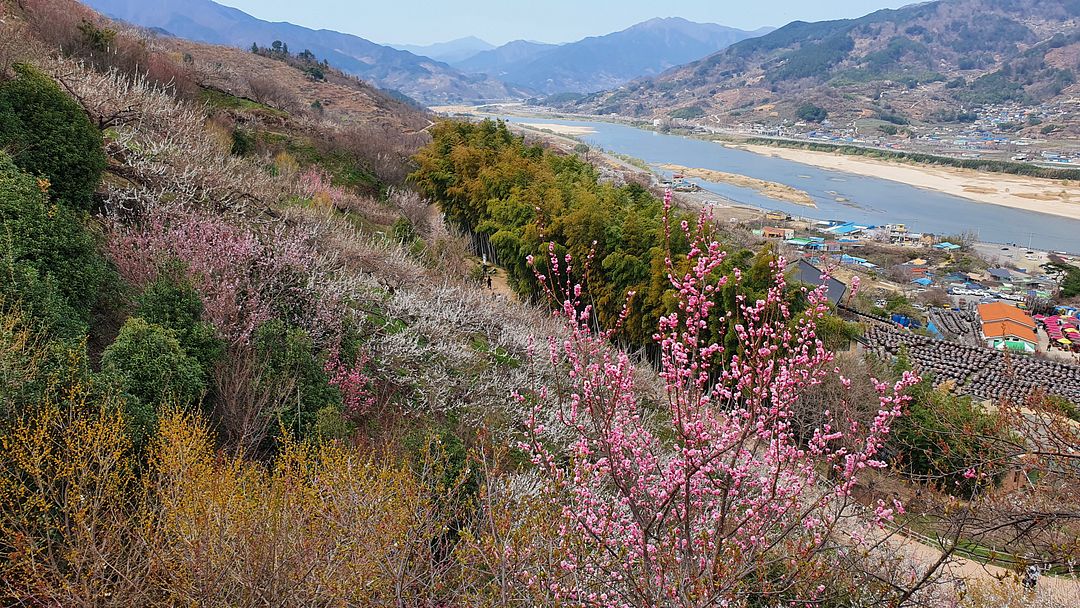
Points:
(1002, 132)
(987, 320)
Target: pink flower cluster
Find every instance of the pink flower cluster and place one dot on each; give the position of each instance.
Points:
(356, 386)
(243, 280)
(317, 184)
(689, 518)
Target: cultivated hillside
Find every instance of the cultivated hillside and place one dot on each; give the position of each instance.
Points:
(601, 62)
(422, 78)
(933, 58)
(242, 364)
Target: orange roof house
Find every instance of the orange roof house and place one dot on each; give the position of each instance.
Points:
(1004, 326)
(1009, 329)
(1000, 311)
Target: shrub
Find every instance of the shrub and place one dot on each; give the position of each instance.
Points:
(243, 143)
(49, 135)
(152, 366)
(946, 439)
(811, 113)
(703, 499)
(290, 352)
(48, 259)
(172, 302)
(242, 281)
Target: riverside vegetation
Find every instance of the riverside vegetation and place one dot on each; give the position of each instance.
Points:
(237, 375)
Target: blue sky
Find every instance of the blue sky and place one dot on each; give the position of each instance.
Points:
(499, 21)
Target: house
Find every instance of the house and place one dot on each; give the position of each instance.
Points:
(806, 272)
(956, 277)
(1006, 327)
(778, 233)
(915, 269)
(847, 229)
(1001, 274)
(946, 246)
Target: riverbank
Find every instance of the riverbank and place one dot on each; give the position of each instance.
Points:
(723, 209)
(780, 192)
(567, 130)
(1059, 198)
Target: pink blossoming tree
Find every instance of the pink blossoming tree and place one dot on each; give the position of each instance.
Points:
(713, 495)
(242, 279)
(355, 384)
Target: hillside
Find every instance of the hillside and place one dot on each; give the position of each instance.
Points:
(924, 61)
(601, 62)
(422, 78)
(244, 361)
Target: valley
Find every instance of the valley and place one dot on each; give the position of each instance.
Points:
(927, 199)
(539, 305)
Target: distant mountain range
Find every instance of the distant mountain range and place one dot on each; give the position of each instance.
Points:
(498, 60)
(601, 62)
(467, 69)
(931, 61)
(422, 78)
(449, 52)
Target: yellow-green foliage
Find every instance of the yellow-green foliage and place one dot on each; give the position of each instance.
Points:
(87, 521)
(523, 197)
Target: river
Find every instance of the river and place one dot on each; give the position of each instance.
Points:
(839, 195)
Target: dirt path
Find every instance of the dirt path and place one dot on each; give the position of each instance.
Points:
(500, 285)
(1062, 590)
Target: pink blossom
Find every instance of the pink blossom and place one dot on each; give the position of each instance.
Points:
(693, 514)
(356, 386)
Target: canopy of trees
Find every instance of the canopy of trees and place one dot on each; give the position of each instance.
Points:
(522, 197)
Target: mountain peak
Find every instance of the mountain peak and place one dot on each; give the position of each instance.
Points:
(940, 59)
(599, 62)
(417, 76)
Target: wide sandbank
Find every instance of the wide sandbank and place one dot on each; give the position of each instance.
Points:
(773, 190)
(1056, 197)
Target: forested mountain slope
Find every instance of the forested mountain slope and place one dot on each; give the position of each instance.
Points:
(938, 56)
(420, 77)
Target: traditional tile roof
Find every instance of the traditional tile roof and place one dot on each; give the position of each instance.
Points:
(808, 273)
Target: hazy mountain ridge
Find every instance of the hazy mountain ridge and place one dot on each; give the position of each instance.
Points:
(423, 78)
(599, 62)
(947, 54)
(495, 61)
(451, 51)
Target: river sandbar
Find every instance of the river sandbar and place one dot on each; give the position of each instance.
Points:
(568, 130)
(780, 192)
(1056, 197)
